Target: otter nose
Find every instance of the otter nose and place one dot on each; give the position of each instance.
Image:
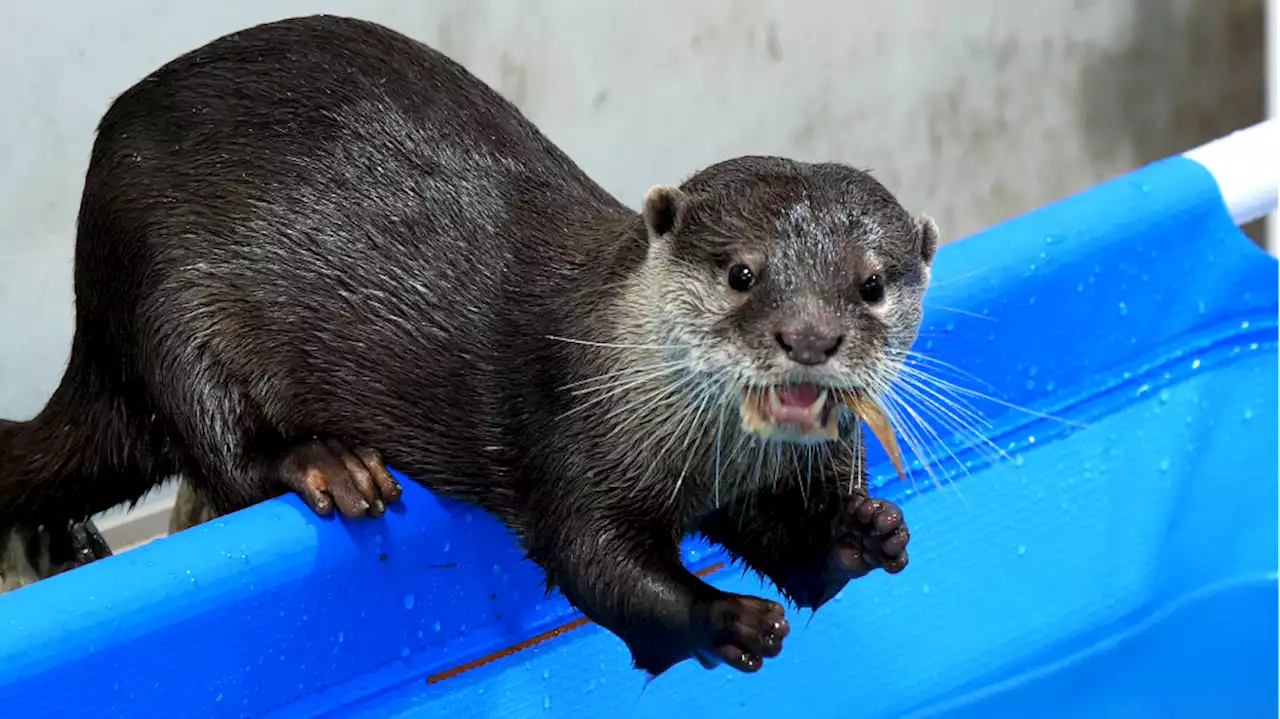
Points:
(809, 346)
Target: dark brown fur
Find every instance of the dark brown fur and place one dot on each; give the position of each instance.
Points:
(320, 231)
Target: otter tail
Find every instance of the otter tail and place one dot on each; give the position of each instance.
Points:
(86, 452)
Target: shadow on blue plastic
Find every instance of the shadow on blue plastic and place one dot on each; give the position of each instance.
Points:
(1118, 560)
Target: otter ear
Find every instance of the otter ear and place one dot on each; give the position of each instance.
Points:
(664, 209)
(927, 229)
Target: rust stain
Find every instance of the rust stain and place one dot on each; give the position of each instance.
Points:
(533, 641)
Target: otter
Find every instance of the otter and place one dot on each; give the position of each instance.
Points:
(316, 248)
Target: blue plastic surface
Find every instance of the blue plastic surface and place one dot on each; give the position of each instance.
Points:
(1119, 561)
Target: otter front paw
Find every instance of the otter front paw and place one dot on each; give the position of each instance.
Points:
(870, 533)
(327, 472)
(729, 629)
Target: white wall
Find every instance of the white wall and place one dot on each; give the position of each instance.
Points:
(971, 111)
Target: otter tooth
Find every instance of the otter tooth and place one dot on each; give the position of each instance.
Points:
(775, 404)
(815, 409)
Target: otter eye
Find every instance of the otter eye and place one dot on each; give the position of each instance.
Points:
(872, 290)
(741, 278)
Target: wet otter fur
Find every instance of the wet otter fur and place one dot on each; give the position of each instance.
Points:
(316, 245)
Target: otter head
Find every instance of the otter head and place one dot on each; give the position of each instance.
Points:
(788, 286)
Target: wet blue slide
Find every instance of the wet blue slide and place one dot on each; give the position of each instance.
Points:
(1103, 544)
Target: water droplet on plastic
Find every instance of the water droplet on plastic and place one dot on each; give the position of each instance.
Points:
(546, 702)
(546, 674)
(1124, 309)
(341, 637)
(435, 627)
(1195, 364)
(1253, 345)
(218, 698)
(1244, 325)
(419, 633)
(1018, 460)
(1031, 439)
(404, 652)
(1080, 287)
(408, 601)
(1050, 386)
(1200, 307)
(925, 589)
(1030, 384)
(1022, 549)
(1248, 414)
(447, 545)
(951, 324)
(1164, 395)
(1164, 465)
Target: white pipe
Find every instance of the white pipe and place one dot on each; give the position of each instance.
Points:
(1246, 165)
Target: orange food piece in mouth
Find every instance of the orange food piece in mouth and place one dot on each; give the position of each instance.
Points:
(870, 412)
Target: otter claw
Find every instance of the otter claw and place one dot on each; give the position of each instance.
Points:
(326, 472)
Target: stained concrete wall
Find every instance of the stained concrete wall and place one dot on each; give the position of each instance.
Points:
(971, 111)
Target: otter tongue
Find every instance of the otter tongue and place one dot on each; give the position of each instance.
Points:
(796, 395)
(795, 406)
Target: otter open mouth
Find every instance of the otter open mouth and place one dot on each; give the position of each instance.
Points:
(798, 411)
(807, 412)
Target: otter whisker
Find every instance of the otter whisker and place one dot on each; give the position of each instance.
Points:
(958, 409)
(624, 371)
(915, 359)
(929, 428)
(934, 284)
(808, 474)
(625, 381)
(644, 406)
(920, 448)
(690, 435)
(914, 442)
(917, 370)
(716, 476)
(615, 345)
(1003, 403)
(822, 465)
(959, 311)
(687, 419)
(956, 423)
(613, 393)
(755, 481)
(855, 461)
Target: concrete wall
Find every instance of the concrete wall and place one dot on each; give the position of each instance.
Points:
(971, 111)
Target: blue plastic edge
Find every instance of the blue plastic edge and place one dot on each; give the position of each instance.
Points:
(292, 578)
